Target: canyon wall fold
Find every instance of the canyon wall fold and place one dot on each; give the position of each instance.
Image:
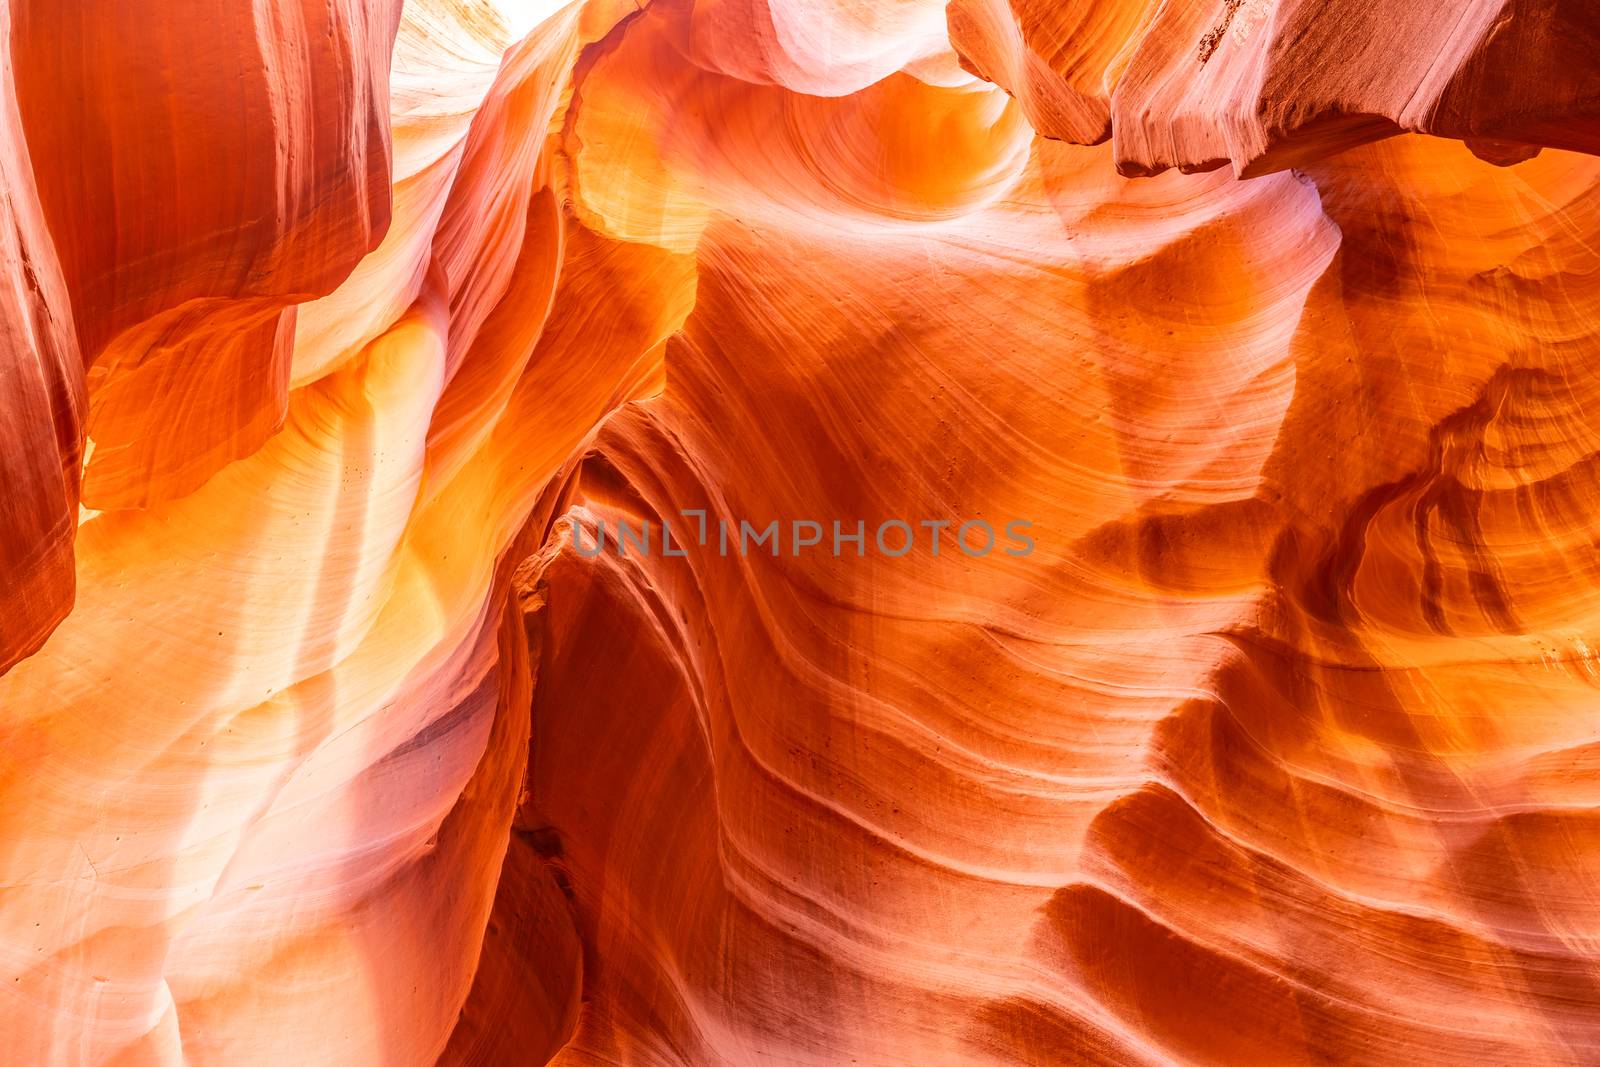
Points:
(1262, 85)
(489, 499)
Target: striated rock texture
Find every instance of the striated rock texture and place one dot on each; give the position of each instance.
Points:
(1268, 84)
(41, 402)
(340, 723)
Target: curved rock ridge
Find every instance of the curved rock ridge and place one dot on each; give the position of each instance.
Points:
(729, 532)
(204, 173)
(41, 401)
(1263, 85)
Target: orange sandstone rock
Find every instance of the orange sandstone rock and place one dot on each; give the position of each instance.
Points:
(41, 402)
(210, 166)
(1266, 84)
(327, 736)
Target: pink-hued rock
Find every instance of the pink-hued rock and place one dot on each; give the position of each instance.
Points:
(1261, 85)
(1263, 732)
(211, 165)
(41, 401)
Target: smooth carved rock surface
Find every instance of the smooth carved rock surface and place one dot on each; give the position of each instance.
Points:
(1261, 85)
(338, 333)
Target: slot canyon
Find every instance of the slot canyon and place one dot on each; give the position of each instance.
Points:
(794, 533)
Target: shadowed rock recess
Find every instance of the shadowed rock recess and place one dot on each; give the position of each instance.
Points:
(722, 533)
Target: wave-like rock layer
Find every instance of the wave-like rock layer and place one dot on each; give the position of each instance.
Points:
(353, 350)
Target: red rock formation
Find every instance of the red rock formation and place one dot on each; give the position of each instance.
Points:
(211, 166)
(41, 402)
(1268, 84)
(1268, 737)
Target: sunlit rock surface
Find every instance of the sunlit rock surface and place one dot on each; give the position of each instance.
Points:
(338, 334)
(1266, 84)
